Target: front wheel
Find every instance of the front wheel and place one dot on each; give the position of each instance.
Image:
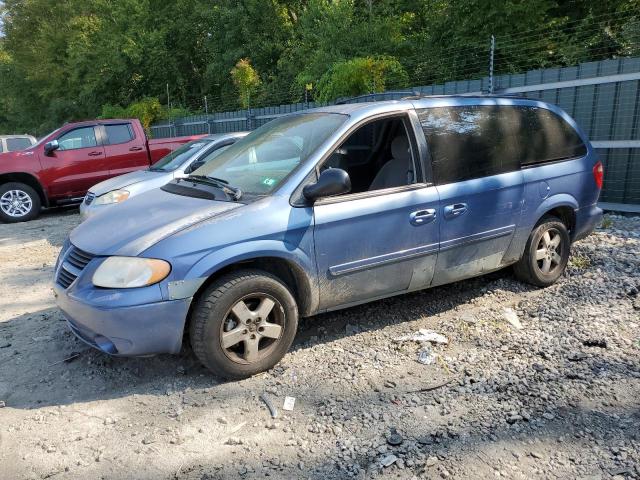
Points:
(243, 324)
(546, 253)
(18, 202)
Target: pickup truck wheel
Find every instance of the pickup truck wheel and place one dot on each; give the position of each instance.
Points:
(243, 324)
(546, 253)
(18, 202)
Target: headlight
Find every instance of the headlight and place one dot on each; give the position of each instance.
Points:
(130, 272)
(114, 196)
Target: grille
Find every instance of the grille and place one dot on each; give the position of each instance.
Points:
(89, 198)
(72, 265)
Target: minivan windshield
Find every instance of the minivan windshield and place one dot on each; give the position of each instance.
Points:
(257, 163)
(180, 155)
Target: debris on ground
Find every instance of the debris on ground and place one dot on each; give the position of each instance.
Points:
(267, 401)
(510, 315)
(2, 404)
(388, 460)
(495, 394)
(599, 343)
(289, 403)
(394, 438)
(427, 357)
(424, 335)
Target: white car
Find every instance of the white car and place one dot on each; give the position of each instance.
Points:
(11, 143)
(177, 164)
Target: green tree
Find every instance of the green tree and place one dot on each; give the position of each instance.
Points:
(246, 80)
(361, 75)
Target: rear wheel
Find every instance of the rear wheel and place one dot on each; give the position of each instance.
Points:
(546, 253)
(18, 202)
(243, 324)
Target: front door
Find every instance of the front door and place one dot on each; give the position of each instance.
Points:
(77, 165)
(382, 238)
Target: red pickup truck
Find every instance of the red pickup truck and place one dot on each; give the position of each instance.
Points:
(62, 166)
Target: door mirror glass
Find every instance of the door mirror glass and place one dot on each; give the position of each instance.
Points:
(332, 181)
(51, 146)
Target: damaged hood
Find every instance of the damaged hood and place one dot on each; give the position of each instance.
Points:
(132, 226)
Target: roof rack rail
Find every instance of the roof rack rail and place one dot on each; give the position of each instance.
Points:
(470, 94)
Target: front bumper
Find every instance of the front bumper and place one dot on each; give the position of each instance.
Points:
(587, 220)
(125, 330)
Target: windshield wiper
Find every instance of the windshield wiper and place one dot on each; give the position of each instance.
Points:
(233, 192)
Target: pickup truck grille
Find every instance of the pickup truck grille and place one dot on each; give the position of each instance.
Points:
(72, 264)
(88, 198)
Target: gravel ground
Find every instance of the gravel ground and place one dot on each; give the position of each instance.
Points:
(532, 384)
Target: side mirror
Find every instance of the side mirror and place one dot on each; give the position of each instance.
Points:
(51, 146)
(332, 181)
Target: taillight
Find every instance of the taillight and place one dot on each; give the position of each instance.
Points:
(598, 174)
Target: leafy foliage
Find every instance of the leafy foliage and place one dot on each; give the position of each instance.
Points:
(246, 80)
(63, 60)
(361, 75)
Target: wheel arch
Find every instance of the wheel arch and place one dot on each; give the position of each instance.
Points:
(562, 206)
(27, 179)
(289, 268)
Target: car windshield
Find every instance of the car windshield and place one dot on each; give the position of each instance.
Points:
(257, 163)
(176, 158)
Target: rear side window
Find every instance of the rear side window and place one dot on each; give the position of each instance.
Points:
(14, 144)
(545, 137)
(121, 133)
(470, 141)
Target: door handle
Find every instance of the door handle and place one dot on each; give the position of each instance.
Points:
(94, 154)
(135, 149)
(455, 210)
(422, 217)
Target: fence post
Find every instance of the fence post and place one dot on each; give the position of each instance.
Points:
(491, 57)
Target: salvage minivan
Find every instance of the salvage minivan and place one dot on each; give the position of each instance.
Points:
(324, 209)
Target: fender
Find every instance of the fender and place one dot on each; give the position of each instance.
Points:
(516, 249)
(219, 259)
(29, 178)
(554, 201)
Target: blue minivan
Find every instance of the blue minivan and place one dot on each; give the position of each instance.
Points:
(324, 209)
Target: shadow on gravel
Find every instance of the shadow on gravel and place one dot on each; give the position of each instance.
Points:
(33, 366)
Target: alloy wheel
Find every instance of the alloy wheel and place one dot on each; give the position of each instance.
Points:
(252, 328)
(16, 203)
(549, 251)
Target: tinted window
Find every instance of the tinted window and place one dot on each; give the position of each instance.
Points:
(14, 144)
(122, 133)
(470, 141)
(545, 137)
(79, 138)
(1, 147)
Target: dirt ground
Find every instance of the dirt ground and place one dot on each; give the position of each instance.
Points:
(533, 383)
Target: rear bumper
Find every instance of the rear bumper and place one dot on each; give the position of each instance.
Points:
(136, 330)
(587, 219)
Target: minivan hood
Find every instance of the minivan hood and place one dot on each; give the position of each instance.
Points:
(126, 180)
(132, 226)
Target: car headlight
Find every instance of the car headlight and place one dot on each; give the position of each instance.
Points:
(130, 272)
(114, 196)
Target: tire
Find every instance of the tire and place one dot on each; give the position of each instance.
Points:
(18, 202)
(542, 264)
(248, 348)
